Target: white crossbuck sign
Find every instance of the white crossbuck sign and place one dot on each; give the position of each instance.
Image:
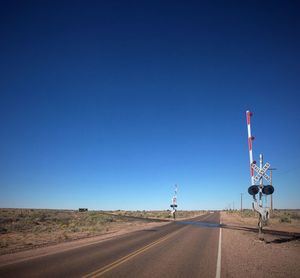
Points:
(261, 172)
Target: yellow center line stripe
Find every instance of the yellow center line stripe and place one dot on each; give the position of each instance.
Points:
(122, 260)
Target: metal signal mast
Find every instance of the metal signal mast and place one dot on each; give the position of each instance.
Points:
(263, 212)
(174, 202)
(250, 143)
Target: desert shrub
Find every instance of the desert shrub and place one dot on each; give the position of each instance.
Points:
(285, 219)
(63, 221)
(3, 230)
(4, 220)
(65, 235)
(74, 229)
(295, 215)
(248, 213)
(3, 243)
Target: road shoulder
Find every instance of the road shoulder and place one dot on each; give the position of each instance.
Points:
(244, 255)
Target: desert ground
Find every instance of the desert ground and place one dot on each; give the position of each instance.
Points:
(278, 255)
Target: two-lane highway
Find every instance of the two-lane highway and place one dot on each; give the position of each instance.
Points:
(179, 249)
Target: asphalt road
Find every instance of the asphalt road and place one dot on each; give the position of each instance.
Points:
(179, 249)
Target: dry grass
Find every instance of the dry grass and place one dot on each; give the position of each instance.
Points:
(279, 215)
(26, 228)
(285, 217)
(288, 216)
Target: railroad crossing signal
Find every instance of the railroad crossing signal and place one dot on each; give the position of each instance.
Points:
(261, 172)
(174, 202)
(264, 212)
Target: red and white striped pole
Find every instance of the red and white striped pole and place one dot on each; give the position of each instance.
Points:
(250, 143)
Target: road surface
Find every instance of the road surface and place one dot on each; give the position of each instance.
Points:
(179, 249)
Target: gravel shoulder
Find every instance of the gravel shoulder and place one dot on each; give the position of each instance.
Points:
(244, 255)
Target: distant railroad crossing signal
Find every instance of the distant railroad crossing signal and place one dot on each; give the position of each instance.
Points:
(261, 172)
(174, 202)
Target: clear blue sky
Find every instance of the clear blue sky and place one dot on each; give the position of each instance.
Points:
(108, 104)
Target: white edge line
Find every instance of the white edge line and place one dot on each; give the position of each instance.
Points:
(218, 270)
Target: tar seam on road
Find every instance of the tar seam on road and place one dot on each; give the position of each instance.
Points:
(218, 270)
(104, 269)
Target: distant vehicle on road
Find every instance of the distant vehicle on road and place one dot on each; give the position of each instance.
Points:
(82, 209)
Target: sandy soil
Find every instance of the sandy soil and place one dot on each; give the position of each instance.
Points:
(243, 255)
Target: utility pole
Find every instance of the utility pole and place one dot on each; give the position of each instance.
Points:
(241, 202)
(261, 185)
(271, 177)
